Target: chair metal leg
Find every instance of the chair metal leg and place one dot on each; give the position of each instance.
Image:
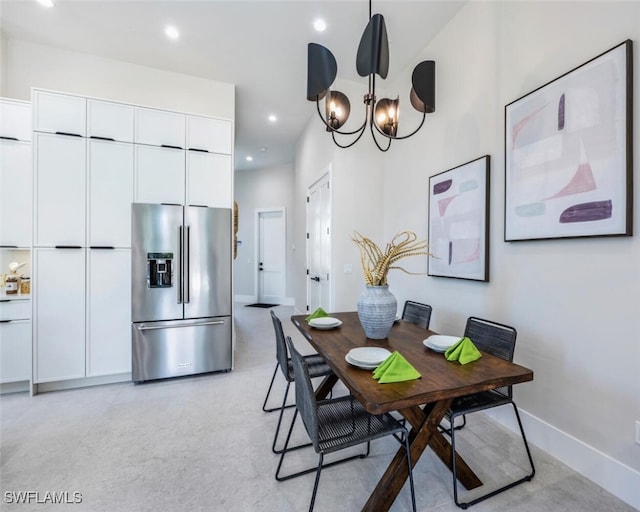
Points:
(264, 405)
(275, 437)
(526, 478)
(315, 485)
(266, 398)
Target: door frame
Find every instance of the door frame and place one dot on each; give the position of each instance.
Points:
(256, 252)
(325, 173)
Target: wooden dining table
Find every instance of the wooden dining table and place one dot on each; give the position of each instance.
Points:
(423, 402)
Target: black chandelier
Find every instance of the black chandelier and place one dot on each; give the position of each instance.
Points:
(373, 58)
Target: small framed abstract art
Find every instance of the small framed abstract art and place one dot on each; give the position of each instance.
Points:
(568, 153)
(459, 221)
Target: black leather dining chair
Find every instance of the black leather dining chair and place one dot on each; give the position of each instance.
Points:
(317, 368)
(335, 424)
(417, 313)
(498, 340)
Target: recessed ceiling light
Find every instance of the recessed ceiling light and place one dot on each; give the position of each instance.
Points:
(171, 32)
(320, 25)
(249, 158)
(46, 3)
(273, 118)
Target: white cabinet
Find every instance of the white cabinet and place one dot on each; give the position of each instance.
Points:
(209, 134)
(15, 119)
(59, 314)
(15, 193)
(109, 193)
(59, 181)
(209, 180)
(108, 312)
(160, 128)
(110, 120)
(15, 340)
(59, 113)
(159, 175)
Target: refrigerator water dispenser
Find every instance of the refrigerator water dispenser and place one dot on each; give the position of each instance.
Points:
(160, 269)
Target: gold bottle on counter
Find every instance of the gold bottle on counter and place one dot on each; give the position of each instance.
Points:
(25, 285)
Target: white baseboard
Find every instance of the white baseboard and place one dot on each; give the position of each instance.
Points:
(617, 478)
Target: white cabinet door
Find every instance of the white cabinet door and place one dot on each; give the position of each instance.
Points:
(160, 128)
(59, 314)
(59, 113)
(159, 175)
(15, 119)
(59, 181)
(108, 312)
(209, 179)
(15, 193)
(110, 120)
(208, 134)
(109, 193)
(15, 351)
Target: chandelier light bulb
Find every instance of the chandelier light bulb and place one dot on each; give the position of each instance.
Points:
(372, 59)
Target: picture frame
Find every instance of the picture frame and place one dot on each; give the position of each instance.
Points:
(568, 153)
(459, 221)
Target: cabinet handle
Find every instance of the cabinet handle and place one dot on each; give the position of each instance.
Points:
(170, 147)
(69, 134)
(8, 138)
(68, 246)
(199, 150)
(101, 247)
(103, 138)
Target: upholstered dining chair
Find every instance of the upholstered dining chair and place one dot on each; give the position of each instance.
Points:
(317, 368)
(417, 313)
(336, 423)
(498, 340)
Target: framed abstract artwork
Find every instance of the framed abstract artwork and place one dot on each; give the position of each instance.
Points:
(459, 221)
(568, 153)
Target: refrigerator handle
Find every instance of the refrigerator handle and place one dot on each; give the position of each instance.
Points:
(187, 257)
(179, 280)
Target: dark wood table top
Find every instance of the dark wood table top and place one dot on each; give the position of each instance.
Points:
(441, 379)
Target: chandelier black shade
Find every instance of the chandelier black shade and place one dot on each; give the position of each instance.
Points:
(381, 116)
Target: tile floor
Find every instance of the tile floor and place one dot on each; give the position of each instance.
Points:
(203, 443)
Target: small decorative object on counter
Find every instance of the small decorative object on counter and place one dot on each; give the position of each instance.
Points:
(25, 286)
(11, 284)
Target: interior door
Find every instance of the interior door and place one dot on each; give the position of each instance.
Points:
(319, 245)
(271, 256)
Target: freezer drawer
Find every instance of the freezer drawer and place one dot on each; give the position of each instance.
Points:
(186, 347)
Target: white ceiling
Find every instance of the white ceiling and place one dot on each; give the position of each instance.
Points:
(260, 46)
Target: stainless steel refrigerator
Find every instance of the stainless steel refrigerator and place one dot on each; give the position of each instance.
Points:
(181, 290)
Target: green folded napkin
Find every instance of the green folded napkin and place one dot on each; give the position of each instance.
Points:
(318, 313)
(464, 351)
(395, 368)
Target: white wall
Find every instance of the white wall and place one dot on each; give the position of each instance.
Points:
(261, 189)
(574, 302)
(356, 195)
(29, 65)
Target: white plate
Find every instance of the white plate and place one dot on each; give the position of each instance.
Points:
(368, 355)
(325, 322)
(360, 365)
(440, 342)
